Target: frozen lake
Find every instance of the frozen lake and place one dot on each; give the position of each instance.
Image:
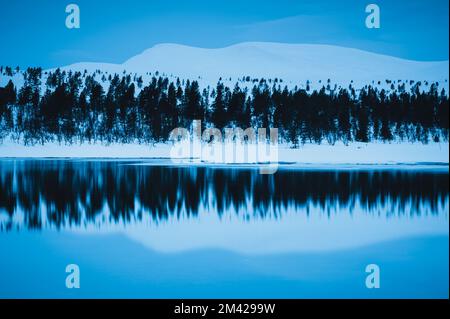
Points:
(152, 229)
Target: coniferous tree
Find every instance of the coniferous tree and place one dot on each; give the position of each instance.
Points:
(219, 111)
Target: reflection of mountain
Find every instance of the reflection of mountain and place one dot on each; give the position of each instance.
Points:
(36, 194)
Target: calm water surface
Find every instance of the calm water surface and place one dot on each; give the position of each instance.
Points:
(147, 229)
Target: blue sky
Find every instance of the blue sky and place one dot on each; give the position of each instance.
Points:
(34, 31)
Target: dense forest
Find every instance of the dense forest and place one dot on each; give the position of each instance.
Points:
(75, 107)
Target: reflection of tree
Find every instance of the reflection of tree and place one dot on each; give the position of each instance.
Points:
(73, 192)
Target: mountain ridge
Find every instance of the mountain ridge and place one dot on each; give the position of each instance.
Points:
(294, 63)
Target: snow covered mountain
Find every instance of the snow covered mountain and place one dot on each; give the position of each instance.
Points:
(294, 63)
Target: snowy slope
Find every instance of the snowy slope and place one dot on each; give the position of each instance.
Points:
(294, 63)
(288, 61)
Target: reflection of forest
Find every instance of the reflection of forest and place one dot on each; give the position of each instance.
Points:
(69, 188)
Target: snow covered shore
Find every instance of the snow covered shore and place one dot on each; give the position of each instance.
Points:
(354, 153)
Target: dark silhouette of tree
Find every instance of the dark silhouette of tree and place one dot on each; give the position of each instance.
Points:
(192, 103)
(262, 104)
(236, 108)
(8, 96)
(219, 107)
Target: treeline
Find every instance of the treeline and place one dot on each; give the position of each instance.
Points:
(74, 107)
